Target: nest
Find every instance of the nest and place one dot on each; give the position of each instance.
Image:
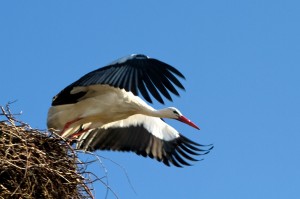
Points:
(38, 164)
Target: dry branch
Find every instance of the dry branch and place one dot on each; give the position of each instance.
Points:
(38, 164)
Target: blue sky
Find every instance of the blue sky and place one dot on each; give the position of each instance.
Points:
(241, 61)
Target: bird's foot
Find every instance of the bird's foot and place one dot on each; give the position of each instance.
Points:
(68, 124)
(79, 133)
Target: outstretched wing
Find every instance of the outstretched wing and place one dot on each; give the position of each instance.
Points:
(146, 136)
(135, 73)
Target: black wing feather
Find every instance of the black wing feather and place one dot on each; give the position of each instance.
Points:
(143, 90)
(135, 73)
(170, 76)
(160, 85)
(138, 139)
(166, 82)
(152, 88)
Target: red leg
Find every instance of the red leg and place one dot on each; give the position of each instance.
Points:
(79, 133)
(68, 124)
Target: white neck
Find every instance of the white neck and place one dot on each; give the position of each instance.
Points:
(145, 109)
(162, 113)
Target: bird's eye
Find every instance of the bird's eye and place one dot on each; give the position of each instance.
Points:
(175, 112)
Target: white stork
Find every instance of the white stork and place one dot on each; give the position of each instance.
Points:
(103, 111)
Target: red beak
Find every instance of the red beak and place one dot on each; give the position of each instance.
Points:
(187, 121)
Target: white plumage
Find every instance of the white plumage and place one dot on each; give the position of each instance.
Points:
(102, 109)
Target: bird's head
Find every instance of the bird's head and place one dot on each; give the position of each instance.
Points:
(174, 113)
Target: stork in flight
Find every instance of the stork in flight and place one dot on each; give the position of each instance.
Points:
(103, 111)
